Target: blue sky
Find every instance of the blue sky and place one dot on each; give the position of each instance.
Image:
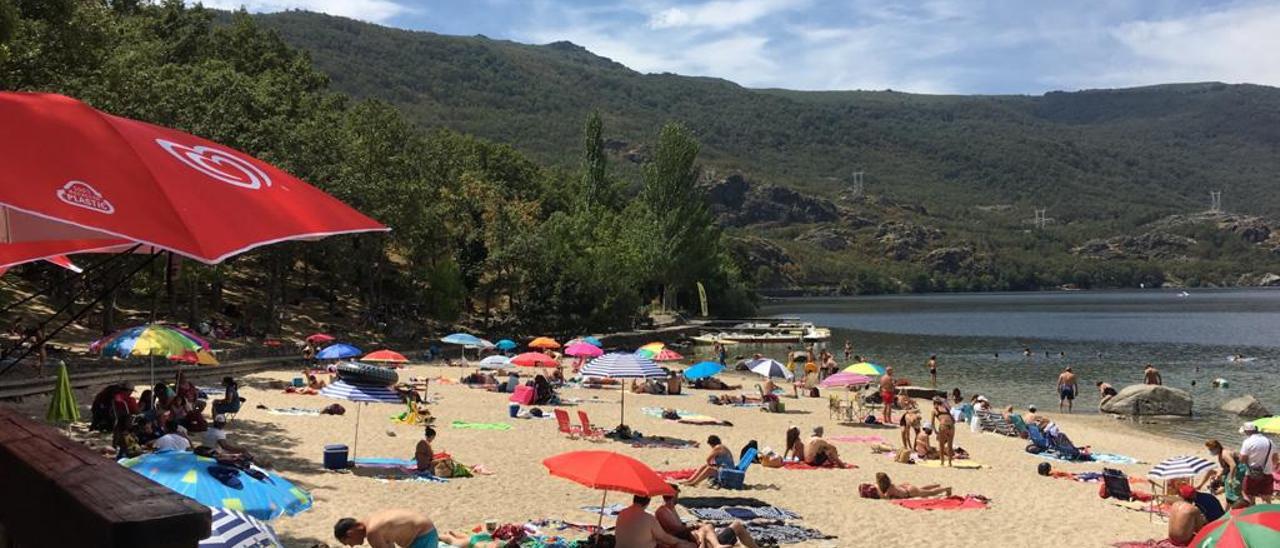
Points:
(927, 46)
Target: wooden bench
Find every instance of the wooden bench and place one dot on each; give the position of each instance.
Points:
(60, 493)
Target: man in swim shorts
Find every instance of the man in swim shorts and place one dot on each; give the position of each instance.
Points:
(395, 528)
(1067, 388)
(887, 390)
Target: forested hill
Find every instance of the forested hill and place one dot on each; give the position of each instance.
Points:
(950, 181)
(1093, 154)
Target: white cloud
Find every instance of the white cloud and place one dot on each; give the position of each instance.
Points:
(375, 11)
(719, 14)
(1236, 45)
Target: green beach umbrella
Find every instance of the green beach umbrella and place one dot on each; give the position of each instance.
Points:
(1251, 527)
(865, 368)
(62, 407)
(1269, 425)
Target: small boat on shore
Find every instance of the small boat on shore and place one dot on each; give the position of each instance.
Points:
(784, 331)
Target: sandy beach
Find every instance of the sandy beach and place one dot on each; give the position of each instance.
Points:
(1064, 512)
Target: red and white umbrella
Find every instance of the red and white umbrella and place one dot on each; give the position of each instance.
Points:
(75, 173)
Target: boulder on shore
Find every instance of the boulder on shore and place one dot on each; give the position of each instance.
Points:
(1148, 399)
(1246, 406)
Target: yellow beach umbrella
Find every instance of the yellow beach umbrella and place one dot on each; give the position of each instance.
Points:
(865, 368)
(1269, 425)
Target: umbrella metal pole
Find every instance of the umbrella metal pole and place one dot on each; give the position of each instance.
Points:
(600, 522)
(623, 412)
(355, 445)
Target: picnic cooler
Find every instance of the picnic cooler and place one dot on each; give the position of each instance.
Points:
(335, 457)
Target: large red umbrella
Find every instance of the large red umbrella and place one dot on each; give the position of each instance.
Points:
(608, 471)
(72, 172)
(12, 254)
(385, 356)
(534, 359)
(320, 338)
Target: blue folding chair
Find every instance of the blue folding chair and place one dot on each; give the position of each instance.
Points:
(1038, 438)
(732, 478)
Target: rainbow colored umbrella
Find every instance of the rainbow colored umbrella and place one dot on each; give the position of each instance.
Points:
(652, 348)
(148, 340)
(1253, 527)
(261, 493)
(199, 357)
(865, 368)
(664, 355)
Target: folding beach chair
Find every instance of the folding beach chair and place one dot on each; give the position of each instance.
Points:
(732, 478)
(1038, 438)
(588, 431)
(1116, 484)
(1020, 425)
(562, 422)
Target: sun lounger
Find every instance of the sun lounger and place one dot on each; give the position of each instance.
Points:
(589, 431)
(732, 478)
(995, 422)
(1038, 438)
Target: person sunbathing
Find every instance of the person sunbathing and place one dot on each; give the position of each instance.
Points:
(888, 490)
(794, 447)
(478, 540)
(820, 452)
(388, 528)
(704, 534)
(712, 383)
(720, 457)
(923, 449)
(313, 383)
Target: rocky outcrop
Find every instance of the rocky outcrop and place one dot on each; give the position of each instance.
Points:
(738, 202)
(1147, 400)
(1152, 245)
(769, 265)
(829, 238)
(1247, 407)
(949, 260)
(903, 241)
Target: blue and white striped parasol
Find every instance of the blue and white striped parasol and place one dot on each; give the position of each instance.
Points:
(361, 393)
(232, 529)
(619, 365)
(766, 367)
(1180, 467)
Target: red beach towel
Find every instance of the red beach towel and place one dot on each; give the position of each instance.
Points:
(949, 503)
(677, 474)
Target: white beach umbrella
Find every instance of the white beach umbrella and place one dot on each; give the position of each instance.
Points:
(495, 362)
(766, 367)
(1180, 467)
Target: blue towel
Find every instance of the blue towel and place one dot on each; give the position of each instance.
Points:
(1109, 458)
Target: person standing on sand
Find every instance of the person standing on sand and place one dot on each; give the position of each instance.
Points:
(1259, 455)
(933, 370)
(848, 350)
(946, 427)
(1151, 375)
(637, 529)
(1067, 388)
(886, 395)
(389, 529)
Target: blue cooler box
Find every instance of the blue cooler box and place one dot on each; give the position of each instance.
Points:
(335, 457)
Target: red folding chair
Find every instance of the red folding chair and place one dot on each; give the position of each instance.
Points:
(562, 420)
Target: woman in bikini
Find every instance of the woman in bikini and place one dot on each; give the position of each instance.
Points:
(905, 490)
(794, 448)
(945, 425)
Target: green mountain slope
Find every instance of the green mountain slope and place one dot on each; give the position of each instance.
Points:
(1104, 162)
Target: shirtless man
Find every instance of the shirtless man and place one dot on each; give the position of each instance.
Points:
(819, 452)
(1151, 375)
(637, 529)
(933, 370)
(886, 395)
(395, 528)
(1185, 519)
(704, 534)
(1107, 392)
(1067, 388)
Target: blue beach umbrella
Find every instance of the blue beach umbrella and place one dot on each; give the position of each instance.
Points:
(190, 475)
(702, 370)
(593, 341)
(464, 339)
(506, 344)
(232, 529)
(338, 351)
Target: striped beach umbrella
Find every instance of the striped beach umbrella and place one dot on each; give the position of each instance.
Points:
(232, 529)
(262, 494)
(1180, 467)
(1253, 527)
(619, 365)
(766, 367)
(865, 368)
(361, 394)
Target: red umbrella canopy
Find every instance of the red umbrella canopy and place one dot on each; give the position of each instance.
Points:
(12, 254)
(387, 356)
(534, 359)
(320, 338)
(73, 172)
(608, 471)
(1255, 526)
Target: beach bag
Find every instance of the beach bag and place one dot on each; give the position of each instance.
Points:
(868, 491)
(333, 409)
(813, 392)
(775, 406)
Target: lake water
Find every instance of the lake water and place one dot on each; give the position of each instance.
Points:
(1106, 335)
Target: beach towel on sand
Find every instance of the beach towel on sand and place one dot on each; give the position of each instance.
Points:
(961, 464)
(294, 411)
(689, 417)
(948, 503)
(768, 534)
(480, 425)
(794, 465)
(856, 439)
(1107, 458)
(610, 511)
(661, 442)
(676, 475)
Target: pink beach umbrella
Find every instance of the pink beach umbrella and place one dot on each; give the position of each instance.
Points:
(583, 350)
(844, 379)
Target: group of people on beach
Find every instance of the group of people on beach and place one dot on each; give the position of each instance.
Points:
(164, 416)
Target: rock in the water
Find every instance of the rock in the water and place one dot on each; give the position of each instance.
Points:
(1246, 406)
(1148, 399)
